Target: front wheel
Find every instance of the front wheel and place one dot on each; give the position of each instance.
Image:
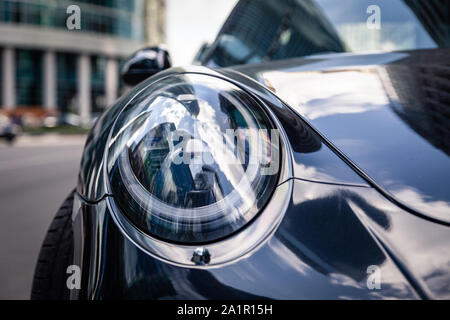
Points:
(49, 282)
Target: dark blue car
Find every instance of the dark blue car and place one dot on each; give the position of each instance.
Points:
(304, 156)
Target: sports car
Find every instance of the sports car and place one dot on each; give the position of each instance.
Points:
(303, 155)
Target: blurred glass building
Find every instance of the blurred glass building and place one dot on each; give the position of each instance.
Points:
(46, 65)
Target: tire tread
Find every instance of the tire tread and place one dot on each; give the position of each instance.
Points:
(49, 281)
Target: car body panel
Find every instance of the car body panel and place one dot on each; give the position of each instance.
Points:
(328, 239)
(337, 225)
(388, 113)
(367, 162)
(313, 159)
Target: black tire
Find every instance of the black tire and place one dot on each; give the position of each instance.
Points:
(49, 282)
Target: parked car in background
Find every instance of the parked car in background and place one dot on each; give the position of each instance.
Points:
(307, 157)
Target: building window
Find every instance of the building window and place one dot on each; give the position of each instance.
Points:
(115, 17)
(29, 77)
(98, 69)
(67, 82)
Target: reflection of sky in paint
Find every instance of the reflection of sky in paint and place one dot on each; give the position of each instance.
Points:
(347, 81)
(285, 275)
(349, 105)
(422, 245)
(348, 91)
(401, 160)
(276, 271)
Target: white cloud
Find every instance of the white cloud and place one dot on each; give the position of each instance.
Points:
(190, 23)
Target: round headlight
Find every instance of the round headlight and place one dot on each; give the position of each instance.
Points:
(192, 159)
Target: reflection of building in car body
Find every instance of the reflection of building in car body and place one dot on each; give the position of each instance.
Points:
(423, 100)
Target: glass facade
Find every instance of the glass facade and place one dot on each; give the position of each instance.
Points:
(29, 77)
(113, 17)
(98, 67)
(59, 73)
(66, 82)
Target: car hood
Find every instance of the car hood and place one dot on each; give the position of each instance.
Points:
(388, 113)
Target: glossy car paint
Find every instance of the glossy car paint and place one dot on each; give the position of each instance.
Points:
(329, 236)
(145, 63)
(388, 113)
(341, 219)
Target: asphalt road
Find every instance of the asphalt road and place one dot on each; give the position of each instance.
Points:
(36, 174)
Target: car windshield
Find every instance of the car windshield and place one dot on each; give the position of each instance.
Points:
(262, 30)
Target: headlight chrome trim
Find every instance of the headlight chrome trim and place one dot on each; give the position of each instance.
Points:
(222, 252)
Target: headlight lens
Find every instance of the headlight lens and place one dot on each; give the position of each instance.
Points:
(192, 159)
